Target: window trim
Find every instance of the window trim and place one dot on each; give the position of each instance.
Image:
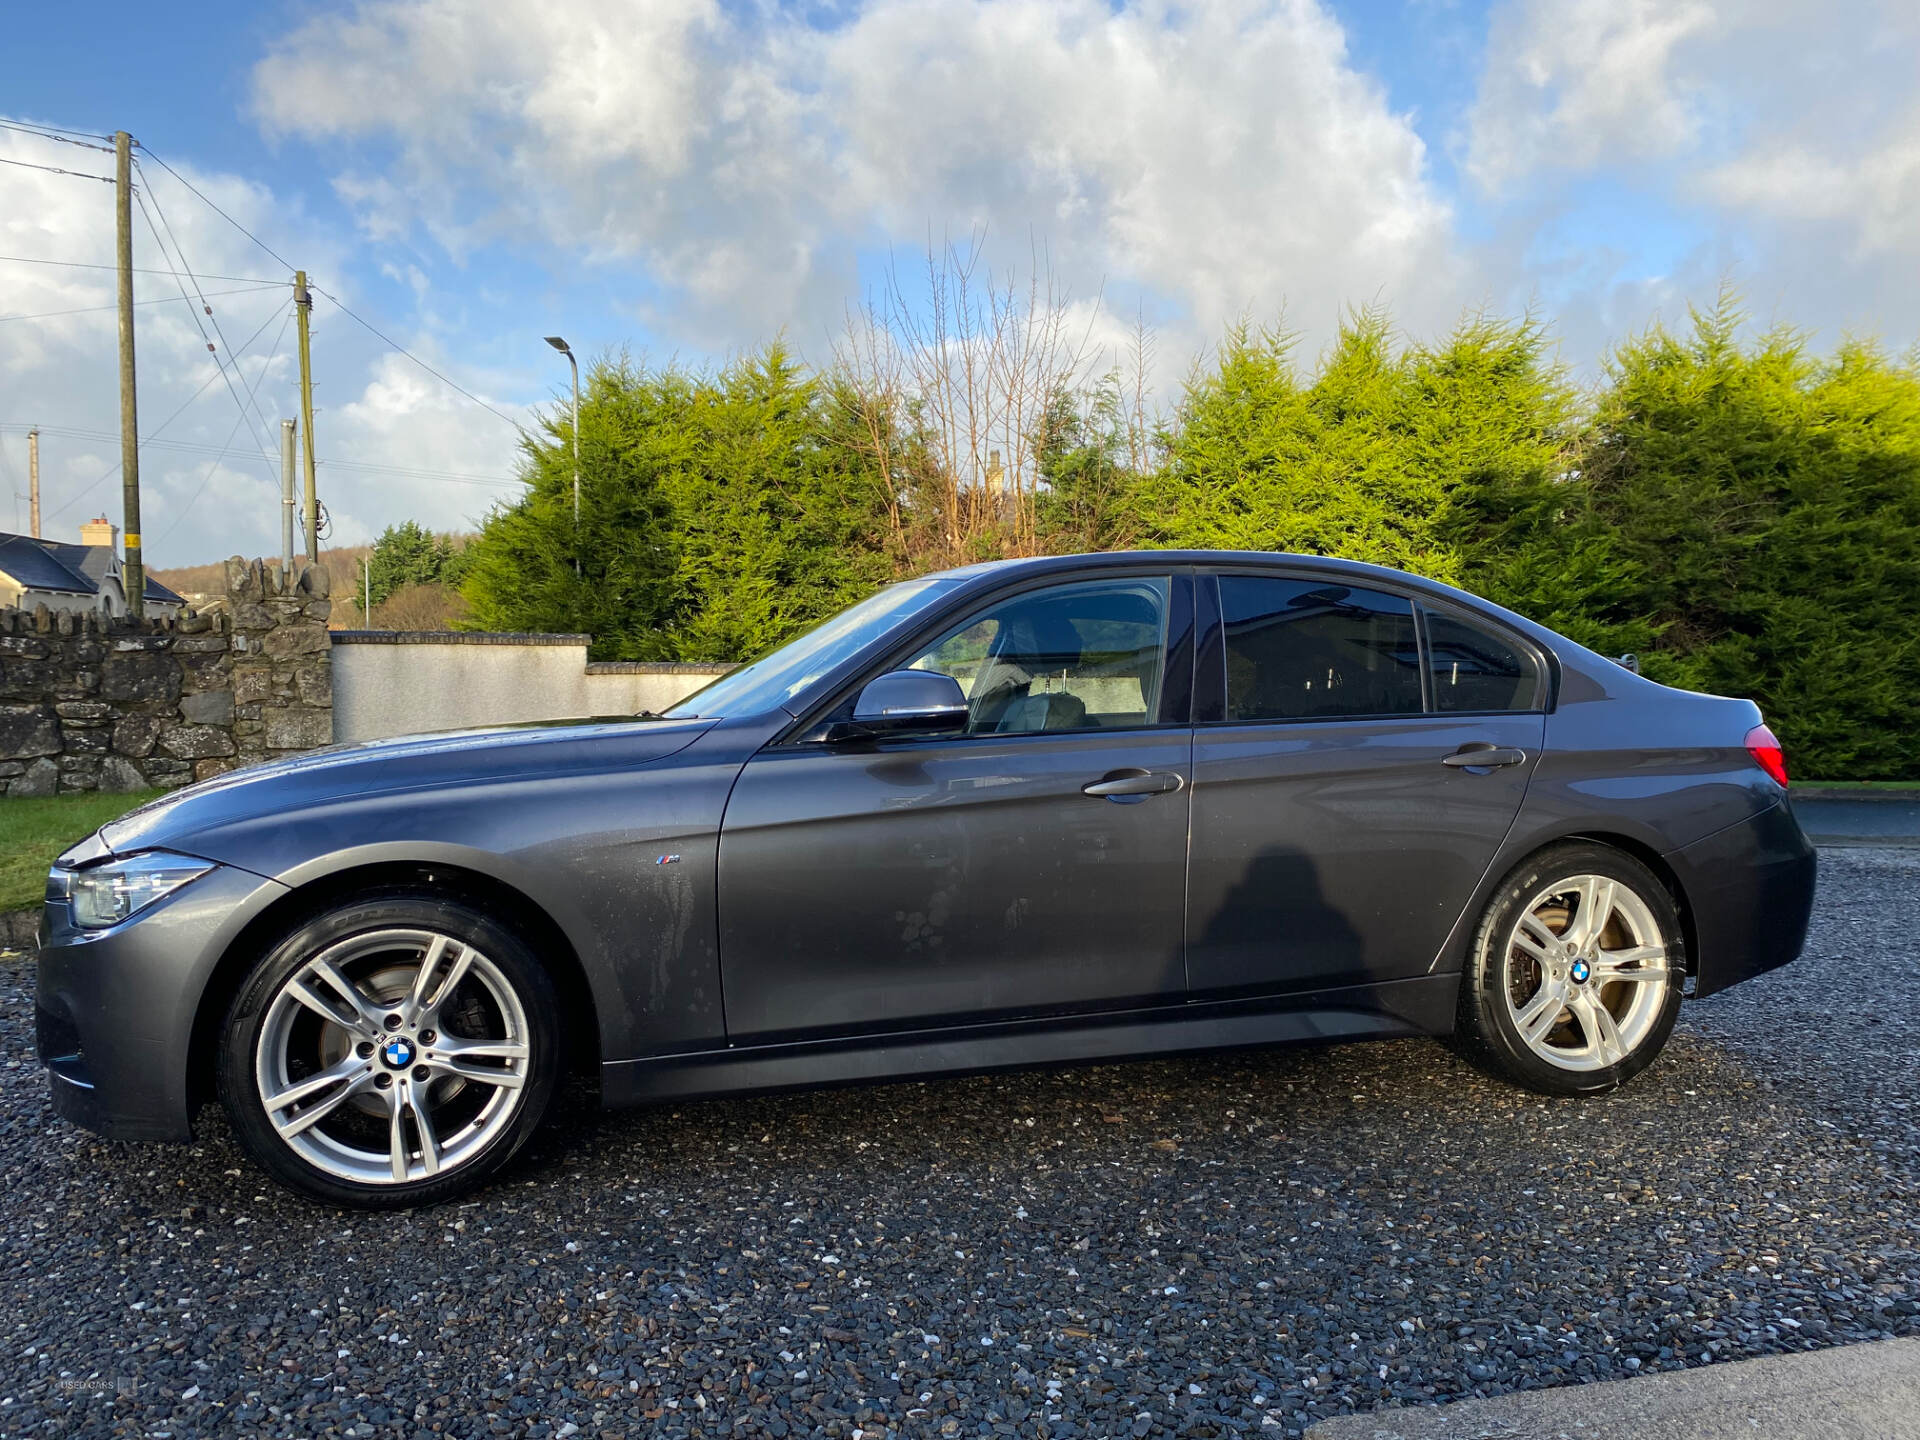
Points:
(1178, 649)
(1210, 690)
(1545, 669)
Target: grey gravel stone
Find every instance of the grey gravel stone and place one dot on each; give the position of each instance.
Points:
(1328, 1230)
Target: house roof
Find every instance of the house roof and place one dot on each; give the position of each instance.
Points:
(36, 567)
(70, 569)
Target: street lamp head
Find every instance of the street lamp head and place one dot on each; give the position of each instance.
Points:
(558, 344)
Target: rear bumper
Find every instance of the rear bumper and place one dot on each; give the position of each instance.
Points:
(1750, 891)
(114, 1009)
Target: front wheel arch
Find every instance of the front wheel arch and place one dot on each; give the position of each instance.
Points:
(579, 1017)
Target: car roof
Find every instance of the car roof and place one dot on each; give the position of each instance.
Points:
(1214, 559)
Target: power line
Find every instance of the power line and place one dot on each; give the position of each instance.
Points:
(149, 440)
(57, 132)
(189, 446)
(388, 340)
(56, 170)
(96, 309)
(218, 358)
(214, 464)
(217, 210)
(416, 359)
(88, 265)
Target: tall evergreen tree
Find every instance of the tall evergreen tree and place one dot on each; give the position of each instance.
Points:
(1371, 460)
(1748, 520)
(719, 515)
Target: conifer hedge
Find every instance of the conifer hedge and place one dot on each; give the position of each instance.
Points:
(1742, 513)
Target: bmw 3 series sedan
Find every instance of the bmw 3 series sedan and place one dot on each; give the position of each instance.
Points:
(1027, 813)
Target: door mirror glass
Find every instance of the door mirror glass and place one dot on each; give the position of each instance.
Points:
(1084, 656)
(907, 702)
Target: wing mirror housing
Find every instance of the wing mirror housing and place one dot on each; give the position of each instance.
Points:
(905, 702)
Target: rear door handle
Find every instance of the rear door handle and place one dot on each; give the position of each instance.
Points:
(1482, 756)
(1120, 783)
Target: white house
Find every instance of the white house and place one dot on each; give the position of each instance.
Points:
(86, 576)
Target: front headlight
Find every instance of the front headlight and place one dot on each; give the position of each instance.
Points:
(104, 895)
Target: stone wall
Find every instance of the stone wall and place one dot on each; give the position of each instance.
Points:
(90, 703)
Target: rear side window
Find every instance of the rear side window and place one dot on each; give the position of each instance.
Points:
(1306, 649)
(1476, 669)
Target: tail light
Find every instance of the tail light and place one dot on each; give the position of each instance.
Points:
(1765, 749)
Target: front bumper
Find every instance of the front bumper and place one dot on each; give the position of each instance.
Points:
(1750, 890)
(114, 1009)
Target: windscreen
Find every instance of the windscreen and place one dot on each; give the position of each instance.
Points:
(779, 675)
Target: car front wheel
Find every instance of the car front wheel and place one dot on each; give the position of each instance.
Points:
(1574, 981)
(394, 1051)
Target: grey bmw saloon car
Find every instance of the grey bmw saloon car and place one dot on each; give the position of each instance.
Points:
(1025, 813)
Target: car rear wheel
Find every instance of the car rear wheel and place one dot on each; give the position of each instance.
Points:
(1575, 977)
(392, 1052)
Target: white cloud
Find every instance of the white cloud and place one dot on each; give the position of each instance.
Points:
(1773, 142)
(1874, 192)
(1218, 156)
(1572, 82)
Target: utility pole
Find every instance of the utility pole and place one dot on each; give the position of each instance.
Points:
(132, 571)
(303, 309)
(33, 481)
(286, 504)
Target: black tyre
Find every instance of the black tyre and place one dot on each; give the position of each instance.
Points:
(394, 1051)
(1574, 980)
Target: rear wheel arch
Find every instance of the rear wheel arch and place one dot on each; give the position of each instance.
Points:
(491, 896)
(1636, 993)
(1654, 861)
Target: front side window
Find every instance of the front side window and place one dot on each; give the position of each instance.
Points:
(1308, 650)
(1475, 669)
(1074, 657)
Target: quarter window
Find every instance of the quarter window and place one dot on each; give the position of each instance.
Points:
(1306, 649)
(1474, 669)
(1076, 657)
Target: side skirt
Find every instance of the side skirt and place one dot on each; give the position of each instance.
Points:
(1423, 1005)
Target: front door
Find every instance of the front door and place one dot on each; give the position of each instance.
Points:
(914, 882)
(1338, 832)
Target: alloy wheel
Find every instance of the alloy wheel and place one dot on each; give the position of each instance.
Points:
(392, 1056)
(1587, 972)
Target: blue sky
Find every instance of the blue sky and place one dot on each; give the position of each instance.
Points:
(687, 178)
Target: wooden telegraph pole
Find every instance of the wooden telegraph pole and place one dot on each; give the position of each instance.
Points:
(303, 309)
(33, 480)
(132, 571)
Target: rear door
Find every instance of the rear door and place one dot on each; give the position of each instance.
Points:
(923, 881)
(1340, 822)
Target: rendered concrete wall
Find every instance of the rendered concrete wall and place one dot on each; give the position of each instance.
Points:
(404, 683)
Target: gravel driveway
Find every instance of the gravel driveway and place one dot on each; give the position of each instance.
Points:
(1203, 1247)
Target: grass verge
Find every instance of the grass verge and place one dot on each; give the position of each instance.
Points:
(34, 832)
(1863, 787)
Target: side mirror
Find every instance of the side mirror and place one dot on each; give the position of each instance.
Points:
(905, 702)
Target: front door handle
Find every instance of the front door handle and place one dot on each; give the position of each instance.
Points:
(1118, 784)
(1483, 756)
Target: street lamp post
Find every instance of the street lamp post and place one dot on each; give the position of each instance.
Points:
(561, 346)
